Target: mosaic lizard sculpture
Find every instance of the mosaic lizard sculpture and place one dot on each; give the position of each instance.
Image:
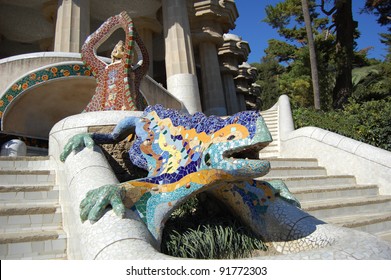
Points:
(184, 155)
(118, 82)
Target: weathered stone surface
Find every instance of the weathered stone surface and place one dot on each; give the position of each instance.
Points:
(118, 157)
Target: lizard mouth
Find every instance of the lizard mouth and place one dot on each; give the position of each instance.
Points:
(250, 152)
(245, 162)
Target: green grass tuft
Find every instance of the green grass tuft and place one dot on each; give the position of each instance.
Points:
(203, 229)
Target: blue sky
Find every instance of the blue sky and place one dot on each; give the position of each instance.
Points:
(250, 27)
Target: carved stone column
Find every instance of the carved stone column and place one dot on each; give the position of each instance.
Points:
(210, 20)
(253, 102)
(146, 27)
(212, 86)
(180, 66)
(72, 26)
(230, 92)
(49, 11)
(233, 52)
(247, 75)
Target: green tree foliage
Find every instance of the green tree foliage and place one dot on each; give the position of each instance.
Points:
(269, 71)
(287, 18)
(280, 50)
(333, 30)
(381, 9)
(372, 82)
(293, 53)
(368, 122)
(367, 116)
(364, 112)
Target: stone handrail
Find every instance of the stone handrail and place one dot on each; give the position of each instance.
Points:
(155, 93)
(113, 238)
(339, 154)
(15, 67)
(285, 119)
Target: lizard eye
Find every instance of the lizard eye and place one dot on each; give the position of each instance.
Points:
(207, 159)
(231, 137)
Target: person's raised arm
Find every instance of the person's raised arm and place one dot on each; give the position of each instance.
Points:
(96, 39)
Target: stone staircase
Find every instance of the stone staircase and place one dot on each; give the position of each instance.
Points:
(273, 149)
(31, 220)
(30, 214)
(333, 199)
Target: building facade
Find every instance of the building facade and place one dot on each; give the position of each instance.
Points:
(192, 55)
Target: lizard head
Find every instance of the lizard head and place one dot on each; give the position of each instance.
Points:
(169, 142)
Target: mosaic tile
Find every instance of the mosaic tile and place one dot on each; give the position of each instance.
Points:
(118, 83)
(185, 154)
(41, 76)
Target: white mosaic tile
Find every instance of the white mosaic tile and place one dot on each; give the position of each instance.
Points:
(19, 220)
(36, 219)
(38, 246)
(59, 244)
(19, 248)
(3, 250)
(48, 246)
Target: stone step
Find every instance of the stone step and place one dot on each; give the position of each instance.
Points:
(24, 163)
(268, 149)
(271, 121)
(293, 162)
(11, 208)
(270, 118)
(272, 153)
(33, 244)
(313, 181)
(272, 144)
(323, 209)
(271, 124)
(385, 235)
(26, 192)
(24, 158)
(269, 113)
(17, 215)
(36, 151)
(331, 192)
(271, 147)
(15, 223)
(296, 171)
(30, 214)
(375, 223)
(53, 255)
(272, 129)
(18, 177)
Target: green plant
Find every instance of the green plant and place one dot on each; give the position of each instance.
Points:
(203, 229)
(368, 122)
